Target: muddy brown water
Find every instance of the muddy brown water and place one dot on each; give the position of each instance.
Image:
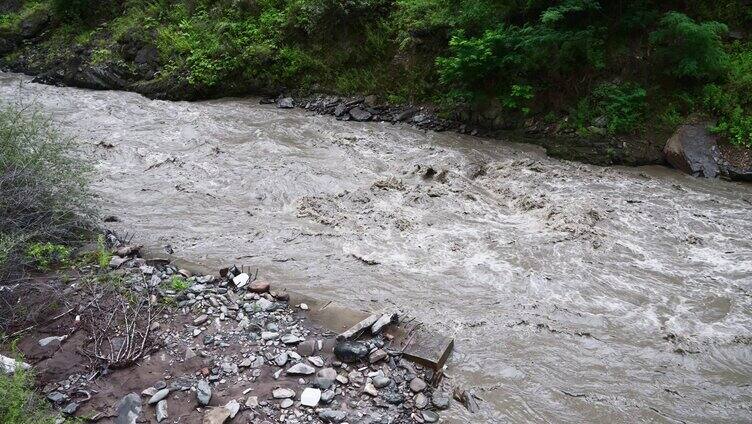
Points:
(575, 293)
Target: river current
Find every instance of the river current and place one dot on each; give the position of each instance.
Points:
(575, 293)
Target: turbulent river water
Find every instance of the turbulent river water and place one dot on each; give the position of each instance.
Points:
(575, 293)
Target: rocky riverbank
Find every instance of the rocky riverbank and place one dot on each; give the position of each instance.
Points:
(145, 341)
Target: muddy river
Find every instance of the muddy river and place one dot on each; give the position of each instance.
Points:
(575, 293)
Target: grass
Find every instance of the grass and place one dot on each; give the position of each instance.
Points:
(19, 403)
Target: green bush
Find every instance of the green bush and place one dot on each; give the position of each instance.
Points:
(46, 255)
(19, 404)
(43, 194)
(686, 49)
(623, 106)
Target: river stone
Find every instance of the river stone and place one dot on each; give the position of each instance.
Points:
(393, 397)
(281, 359)
(440, 401)
(430, 416)
(70, 408)
(310, 397)
(286, 403)
(380, 381)
(285, 103)
(327, 396)
(370, 389)
(348, 351)
(203, 392)
(269, 335)
(316, 361)
(360, 114)
(259, 287)
(307, 348)
(241, 280)
(301, 369)
(325, 378)
(417, 385)
(201, 319)
(264, 305)
(291, 339)
(216, 415)
(161, 410)
(283, 393)
(421, 401)
(234, 407)
(161, 394)
(377, 355)
(128, 409)
(252, 402)
(332, 416)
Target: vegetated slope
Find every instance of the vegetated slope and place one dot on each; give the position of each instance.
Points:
(594, 67)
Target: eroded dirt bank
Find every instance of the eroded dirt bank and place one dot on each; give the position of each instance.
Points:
(574, 292)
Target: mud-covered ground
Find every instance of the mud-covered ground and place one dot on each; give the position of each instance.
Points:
(574, 292)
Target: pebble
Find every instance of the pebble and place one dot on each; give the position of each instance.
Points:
(283, 393)
(252, 402)
(303, 306)
(417, 385)
(158, 396)
(316, 361)
(370, 389)
(161, 410)
(301, 369)
(327, 396)
(234, 407)
(380, 381)
(286, 403)
(332, 416)
(325, 378)
(259, 287)
(429, 416)
(440, 401)
(203, 392)
(281, 359)
(421, 401)
(377, 355)
(310, 397)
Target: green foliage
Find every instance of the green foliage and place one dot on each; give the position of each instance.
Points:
(43, 194)
(179, 284)
(46, 255)
(687, 49)
(103, 254)
(623, 106)
(732, 102)
(519, 98)
(19, 404)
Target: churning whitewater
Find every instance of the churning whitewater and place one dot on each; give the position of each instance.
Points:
(574, 292)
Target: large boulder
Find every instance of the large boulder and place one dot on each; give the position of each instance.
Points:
(693, 150)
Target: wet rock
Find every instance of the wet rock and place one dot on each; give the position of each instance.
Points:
(417, 385)
(161, 394)
(360, 114)
(283, 393)
(467, 398)
(440, 401)
(128, 409)
(259, 287)
(161, 411)
(332, 416)
(285, 103)
(393, 397)
(310, 397)
(349, 351)
(377, 355)
(301, 369)
(430, 416)
(325, 378)
(203, 392)
(692, 149)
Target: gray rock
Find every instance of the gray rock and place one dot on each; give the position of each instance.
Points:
(349, 352)
(327, 396)
(393, 397)
(56, 397)
(377, 355)
(283, 393)
(417, 385)
(301, 369)
(285, 103)
(360, 114)
(691, 149)
(430, 416)
(234, 407)
(325, 378)
(51, 341)
(161, 394)
(421, 401)
(201, 319)
(128, 409)
(316, 361)
(252, 402)
(380, 381)
(369, 389)
(281, 359)
(310, 397)
(70, 408)
(440, 401)
(291, 339)
(286, 403)
(332, 416)
(307, 348)
(203, 392)
(264, 305)
(268, 335)
(216, 415)
(161, 411)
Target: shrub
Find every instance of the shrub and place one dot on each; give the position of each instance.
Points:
(623, 105)
(45, 255)
(691, 50)
(43, 194)
(19, 404)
